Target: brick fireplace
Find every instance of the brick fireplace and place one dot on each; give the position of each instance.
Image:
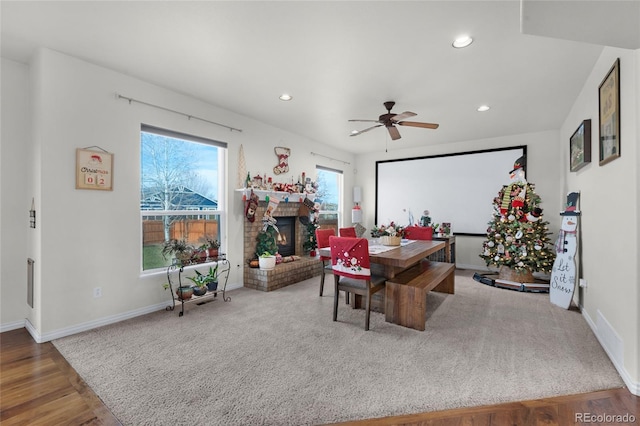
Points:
(285, 273)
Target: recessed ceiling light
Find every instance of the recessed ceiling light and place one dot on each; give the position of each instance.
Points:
(285, 97)
(462, 41)
(483, 108)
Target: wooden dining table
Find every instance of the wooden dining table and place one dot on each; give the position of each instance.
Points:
(391, 262)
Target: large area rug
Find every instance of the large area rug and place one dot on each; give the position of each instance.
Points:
(277, 358)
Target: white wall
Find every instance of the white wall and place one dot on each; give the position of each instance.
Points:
(15, 204)
(88, 239)
(543, 170)
(609, 223)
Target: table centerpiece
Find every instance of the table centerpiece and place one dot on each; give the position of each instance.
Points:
(389, 235)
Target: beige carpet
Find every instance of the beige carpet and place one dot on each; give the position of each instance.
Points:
(278, 359)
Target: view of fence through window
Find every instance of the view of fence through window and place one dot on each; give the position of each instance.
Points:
(180, 181)
(330, 194)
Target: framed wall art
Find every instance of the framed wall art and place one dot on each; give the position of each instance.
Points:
(94, 169)
(609, 105)
(580, 146)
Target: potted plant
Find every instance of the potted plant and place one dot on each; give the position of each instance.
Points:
(266, 242)
(200, 254)
(184, 292)
(178, 249)
(212, 278)
(199, 284)
(212, 247)
(205, 282)
(267, 261)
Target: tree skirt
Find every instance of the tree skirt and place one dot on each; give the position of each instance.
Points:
(509, 274)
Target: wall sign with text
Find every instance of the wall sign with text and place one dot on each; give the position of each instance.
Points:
(94, 170)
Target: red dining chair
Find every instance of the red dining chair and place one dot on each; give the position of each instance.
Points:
(322, 239)
(348, 232)
(352, 273)
(418, 233)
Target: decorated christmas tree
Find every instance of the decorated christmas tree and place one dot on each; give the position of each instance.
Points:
(310, 243)
(517, 235)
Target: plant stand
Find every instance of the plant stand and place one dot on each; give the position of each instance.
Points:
(177, 268)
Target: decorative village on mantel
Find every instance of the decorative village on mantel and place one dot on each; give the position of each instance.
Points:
(264, 186)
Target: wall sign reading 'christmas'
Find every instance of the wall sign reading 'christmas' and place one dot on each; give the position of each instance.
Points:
(563, 273)
(94, 169)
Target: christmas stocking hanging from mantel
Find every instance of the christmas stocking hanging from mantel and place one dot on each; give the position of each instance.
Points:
(268, 219)
(306, 207)
(252, 206)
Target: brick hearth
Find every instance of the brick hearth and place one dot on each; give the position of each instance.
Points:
(285, 273)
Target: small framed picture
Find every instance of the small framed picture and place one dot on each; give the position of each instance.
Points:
(580, 146)
(94, 170)
(609, 103)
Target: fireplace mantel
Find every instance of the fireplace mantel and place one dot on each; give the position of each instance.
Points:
(262, 194)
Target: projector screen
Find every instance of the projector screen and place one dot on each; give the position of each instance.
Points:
(457, 188)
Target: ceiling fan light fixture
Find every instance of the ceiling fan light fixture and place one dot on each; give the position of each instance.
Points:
(483, 108)
(285, 97)
(462, 41)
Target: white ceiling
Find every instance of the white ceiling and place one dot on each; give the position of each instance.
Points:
(340, 60)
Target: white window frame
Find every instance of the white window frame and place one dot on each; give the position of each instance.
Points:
(340, 174)
(221, 210)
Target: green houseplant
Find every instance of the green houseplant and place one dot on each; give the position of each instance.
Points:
(267, 261)
(212, 247)
(208, 280)
(199, 284)
(179, 249)
(266, 242)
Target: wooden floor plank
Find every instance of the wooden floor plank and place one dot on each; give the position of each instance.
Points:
(39, 387)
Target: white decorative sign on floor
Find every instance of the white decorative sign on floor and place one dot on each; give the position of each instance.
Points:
(563, 275)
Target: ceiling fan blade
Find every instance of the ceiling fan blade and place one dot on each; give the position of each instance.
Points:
(393, 131)
(418, 124)
(402, 116)
(356, 133)
(365, 121)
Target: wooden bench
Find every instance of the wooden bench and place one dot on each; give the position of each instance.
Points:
(406, 293)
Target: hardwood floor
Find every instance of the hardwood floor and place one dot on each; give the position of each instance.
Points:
(39, 387)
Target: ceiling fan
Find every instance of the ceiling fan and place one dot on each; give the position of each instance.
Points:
(389, 120)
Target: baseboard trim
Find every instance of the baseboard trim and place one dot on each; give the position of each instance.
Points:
(633, 386)
(112, 319)
(12, 326)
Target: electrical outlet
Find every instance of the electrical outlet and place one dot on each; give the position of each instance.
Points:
(583, 283)
(97, 292)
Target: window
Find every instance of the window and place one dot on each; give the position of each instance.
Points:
(181, 187)
(329, 195)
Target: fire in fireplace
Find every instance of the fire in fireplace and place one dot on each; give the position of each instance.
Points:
(286, 239)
